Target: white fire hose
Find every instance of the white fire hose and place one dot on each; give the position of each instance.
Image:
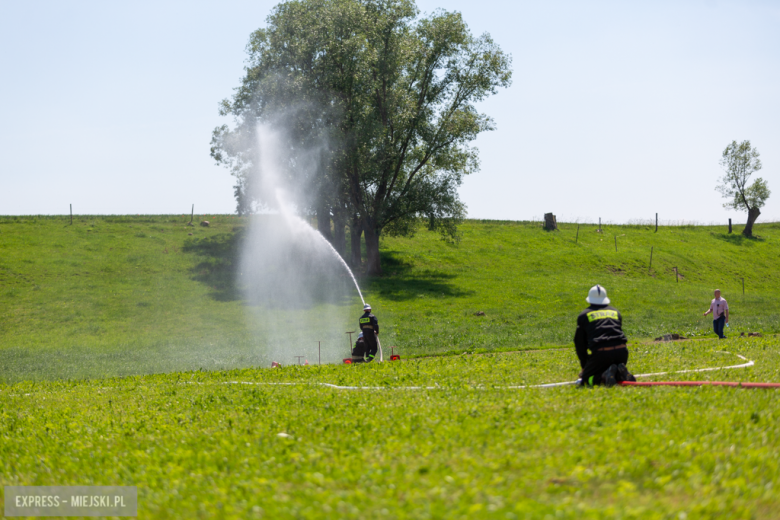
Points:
(379, 344)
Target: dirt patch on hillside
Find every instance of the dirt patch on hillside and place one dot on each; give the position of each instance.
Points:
(670, 337)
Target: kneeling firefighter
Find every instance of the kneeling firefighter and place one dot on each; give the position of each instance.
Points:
(369, 326)
(359, 351)
(600, 330)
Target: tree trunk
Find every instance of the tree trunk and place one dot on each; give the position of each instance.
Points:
(355, 232)
(323, 223)
(372, 248)
(753, 214)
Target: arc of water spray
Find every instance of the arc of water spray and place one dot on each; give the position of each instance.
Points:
(297, 221)
(333, 250)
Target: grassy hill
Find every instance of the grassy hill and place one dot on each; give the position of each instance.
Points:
(434, 437)
(530, 283)
(138, 294)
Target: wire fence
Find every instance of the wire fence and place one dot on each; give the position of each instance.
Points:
(645, 222)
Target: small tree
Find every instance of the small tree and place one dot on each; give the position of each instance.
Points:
(740, 161)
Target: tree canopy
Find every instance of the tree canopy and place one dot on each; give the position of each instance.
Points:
(387, 97)
(740, 161)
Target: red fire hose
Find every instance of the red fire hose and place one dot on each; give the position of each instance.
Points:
(700, 383)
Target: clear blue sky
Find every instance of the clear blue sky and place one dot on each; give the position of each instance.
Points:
(618, 109)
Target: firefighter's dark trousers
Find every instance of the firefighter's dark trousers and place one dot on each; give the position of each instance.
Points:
(599, 362)
(359, 350)
(371, 346)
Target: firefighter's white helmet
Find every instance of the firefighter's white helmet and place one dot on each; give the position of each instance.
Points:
(366, 307)
(597, 295)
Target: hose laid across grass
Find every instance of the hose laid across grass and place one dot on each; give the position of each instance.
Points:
(546, 385)
(748, 363)
(700, 383)
(709, 369)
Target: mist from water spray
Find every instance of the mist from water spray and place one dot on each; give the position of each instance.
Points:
(294, 281)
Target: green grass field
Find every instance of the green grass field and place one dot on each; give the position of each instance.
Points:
(140, 298)
(135, 295)
(208, 444)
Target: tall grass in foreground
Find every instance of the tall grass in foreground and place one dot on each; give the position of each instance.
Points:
(234, 445)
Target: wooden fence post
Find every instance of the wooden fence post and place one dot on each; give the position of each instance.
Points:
(656, 222)
(729, 225)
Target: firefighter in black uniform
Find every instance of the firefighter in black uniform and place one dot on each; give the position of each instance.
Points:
(369, 326)
(600, 330)
(359, 352)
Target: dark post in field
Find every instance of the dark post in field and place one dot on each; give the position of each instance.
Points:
(192, 215)
(576, 239)
(676, 275)
(656, 222)
(729, 225)
(651, 260)
(616, 243)
(71, 214)
(550, 222)
(299, 359)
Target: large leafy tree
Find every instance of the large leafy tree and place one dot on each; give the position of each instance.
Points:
(740, 161)
(393, 93)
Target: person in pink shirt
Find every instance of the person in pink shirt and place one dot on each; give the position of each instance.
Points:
(720, 314)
